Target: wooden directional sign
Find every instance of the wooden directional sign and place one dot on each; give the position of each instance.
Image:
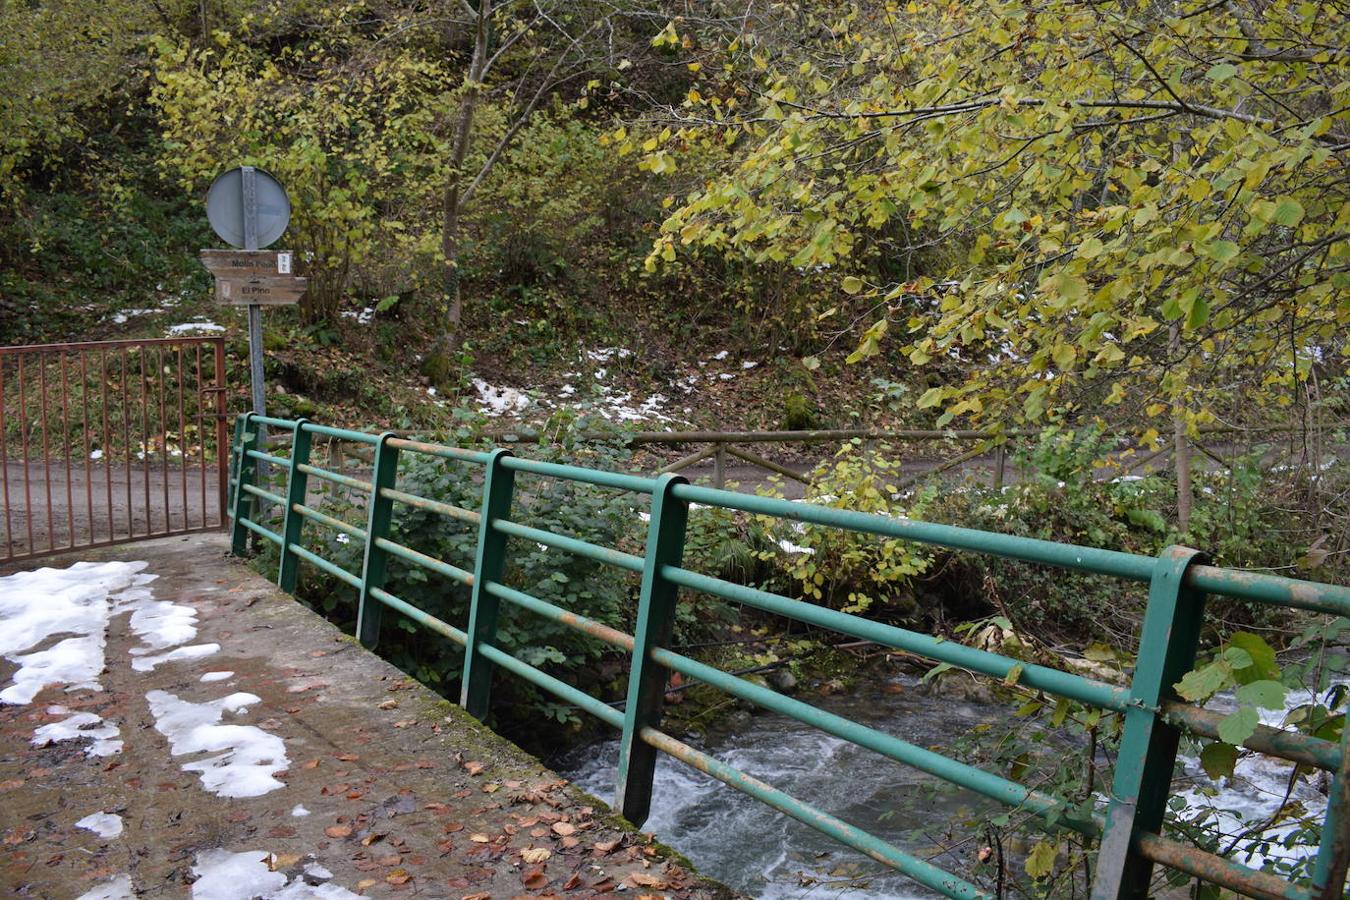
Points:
(254, 277)
(260, 290)
(235, 263)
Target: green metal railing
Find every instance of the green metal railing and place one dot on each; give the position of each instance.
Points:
(1129, 831)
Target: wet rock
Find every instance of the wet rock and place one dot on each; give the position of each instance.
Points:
(782, 680)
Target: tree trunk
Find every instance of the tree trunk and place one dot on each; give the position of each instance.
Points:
(1181, 450)
(440, 361)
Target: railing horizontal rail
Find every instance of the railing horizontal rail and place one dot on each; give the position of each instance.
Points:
(1064, 684)
(268, 458)
(325, 519)
(436, 506)
(634, 483)
(440, 450)
(1129, 832)
(259, 530)
(264, 494)
(557, 687)
(336, 478)
(420, 616)
(612, 636)
(340, 433)
(428, 562)
(570, 544)
(331, 568)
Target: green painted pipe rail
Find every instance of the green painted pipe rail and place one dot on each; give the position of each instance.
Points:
(1130, 836)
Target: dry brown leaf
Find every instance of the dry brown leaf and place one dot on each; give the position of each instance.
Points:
(607, 846)
(535, 854)
(563, 829)
(371, 839)
(338, 831)
(392, 859)
(398, 876)
(479, 838)
(474, 768)
(283, 860)
(391, 703)
(642, 879)
(366, 883)
(534, 879)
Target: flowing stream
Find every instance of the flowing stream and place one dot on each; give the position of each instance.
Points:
(755, 849)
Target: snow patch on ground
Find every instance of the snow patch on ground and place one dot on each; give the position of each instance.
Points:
(299, 812)
(78, 727)
(246, 757)
(195, 651)
(497, 401)
(222, 875)
(215, 676)
(192, 327)
(105, 825)
(605, 354)
(118, 888)
(39, 605)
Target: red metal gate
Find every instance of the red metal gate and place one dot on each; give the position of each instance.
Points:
(110, 441)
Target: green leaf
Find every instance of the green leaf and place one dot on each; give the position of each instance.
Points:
(811, 363)
(1198, 314)
(1204, 682)
(1288, 212)
(1221, 72)
(1147, 518)
(1260, 655)
(1265, 693)
(1237, 726)
(852, 284)
(1091, 248)
(930, 398)
(1013, 674)
(1218, 760)
(1222, 251)
(1041, 860)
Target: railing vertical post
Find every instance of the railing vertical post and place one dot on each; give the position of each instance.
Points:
(231, 456)
(1333, 856)
(489, 560)
(297, 485)
(1148, 747)
(244, 474)
(646, 679)
(380, 514)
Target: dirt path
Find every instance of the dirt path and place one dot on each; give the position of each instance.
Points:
(380, 788)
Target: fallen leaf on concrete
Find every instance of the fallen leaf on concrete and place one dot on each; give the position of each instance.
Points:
(366, 883)
(312, 764)
(11, 784)
(282, 860)
(535, 854)
(388, 704)
(371, 839)
(348, 757)
(479, 838)
(642, 879)
(491, 788)
(607, 846)
(281, 831)
(534, 879)
(338, 831)
(392, 859)
(564, 829)
(474, 768)
(405, 723)
(398, 876)
(452, 827)
(572, 883)
(569, 842)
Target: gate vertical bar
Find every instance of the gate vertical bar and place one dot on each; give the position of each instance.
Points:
(201, 432)
(46, 450)
(646, 679)
(297, 485)
(222, 430)
(183, 468)
(379, 515)
(4, 459)
(86, 462)
(107, 445)
(143, 356)
(248, 440)
(23, 440)
(126, 431)
(65, 443)
(1148, 748)
(498, 489)
(163, 436)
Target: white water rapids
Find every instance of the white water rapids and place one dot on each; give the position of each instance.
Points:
(755, 849)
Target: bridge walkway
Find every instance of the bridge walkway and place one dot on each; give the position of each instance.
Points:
(225, 742)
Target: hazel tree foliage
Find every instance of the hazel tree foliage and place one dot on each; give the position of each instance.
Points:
(1130, 207)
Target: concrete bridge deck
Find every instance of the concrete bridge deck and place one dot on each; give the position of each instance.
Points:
(202, 734)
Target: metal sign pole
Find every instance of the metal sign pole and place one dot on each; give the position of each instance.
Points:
(255, 336)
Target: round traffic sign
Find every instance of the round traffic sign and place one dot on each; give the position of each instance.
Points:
(225, 207)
